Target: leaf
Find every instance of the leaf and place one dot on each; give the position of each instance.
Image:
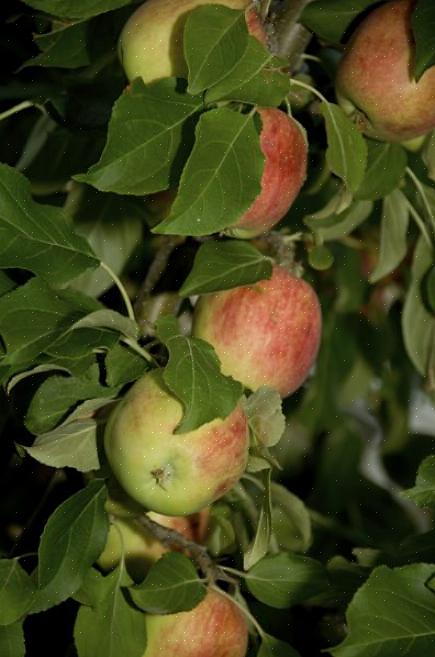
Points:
(259, 547)
(113, 626)
(73, 445)
(172, 585)
(423, 25)
(265, 416)
(430, 288)
(12, 641)
(63, 47)
(110, 319)
(39, 369)
(291, 520)
(347, 150)
(52, 313)
(6, 284)
(224, 265)
(37, 237)
(256, 79)
(145, 136)
(16, 592)
(329, 19)
(428, 155)
(385, 169)
(418, 325)
(391, 615)
(215, 37)
(78, 9)
(339, 225)
(271, 647)
(57, 394)
(72, 540)
(221, 178)
(394, 231)
(193, 375)
(123, 365)
(423, 493)
(286, 579)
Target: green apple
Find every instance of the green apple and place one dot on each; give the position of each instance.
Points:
(264, 334)
(374, 81)
(173, 474)
(215, 628)
(151, 43)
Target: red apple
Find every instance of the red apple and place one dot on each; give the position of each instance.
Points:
(284, 146)
(174, 474)
(375, 81)
(215, 628)
(151, 43)
(264, 334)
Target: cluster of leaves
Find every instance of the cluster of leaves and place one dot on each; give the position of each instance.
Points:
(332, 542)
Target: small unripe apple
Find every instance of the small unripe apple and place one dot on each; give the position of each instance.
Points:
(215, 628)
(151, 42)
(173, 474)
(284, 146)
(264, 334)
(375, 82)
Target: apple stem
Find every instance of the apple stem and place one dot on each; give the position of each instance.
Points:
(171, 538)
(245, 611)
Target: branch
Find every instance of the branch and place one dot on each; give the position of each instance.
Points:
(173, 539)
(291, 38)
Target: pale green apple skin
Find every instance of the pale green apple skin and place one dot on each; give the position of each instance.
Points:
(151, 42)
(215, 628)
(374, 83)
(173, 474)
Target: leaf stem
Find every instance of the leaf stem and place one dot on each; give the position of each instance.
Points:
(420, 223)
(138, 349)
(420, 189)
(243, 609)
(308, 87)
(17, 108)
(121, 288)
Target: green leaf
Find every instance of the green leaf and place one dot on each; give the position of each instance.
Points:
(215, 38)
(172, 585)
(222, 176)
(428, 156)
(73, 445)
(291, 520)
(37, 237)
(286, 579)
(123, 366)
(423, 493)
(256, 79)
(423, 25)
(385, 168)
(265, 416)
(224, 265)
(259, 547)
(113, 626)
(64, 47)
(430, 288)
(418, 324)
(329, 19)
(394, 231)
(53, 312)
(339, 225)
(145, 137)
(12, 641)
(6, 284)
(110, 319)
(347, 149)
(78, 9)
(320, 258)
(72, 540)
(271, 647)
(193, 375)
(16, 592)
(391, 615)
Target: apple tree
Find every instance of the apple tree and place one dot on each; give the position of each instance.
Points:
(217, 328)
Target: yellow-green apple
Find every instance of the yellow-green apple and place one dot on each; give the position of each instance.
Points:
(215, 628)
(151, 42)
(284, 146)
(173, 474)
(264, 334)
(375, 82)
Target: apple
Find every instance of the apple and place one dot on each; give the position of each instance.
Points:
(374, 81)
(264, 334)
(151, 42)
(284, 145)
(169, 473)
(214, 628)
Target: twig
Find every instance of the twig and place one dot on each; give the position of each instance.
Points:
(291, 38)
(173, 539)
